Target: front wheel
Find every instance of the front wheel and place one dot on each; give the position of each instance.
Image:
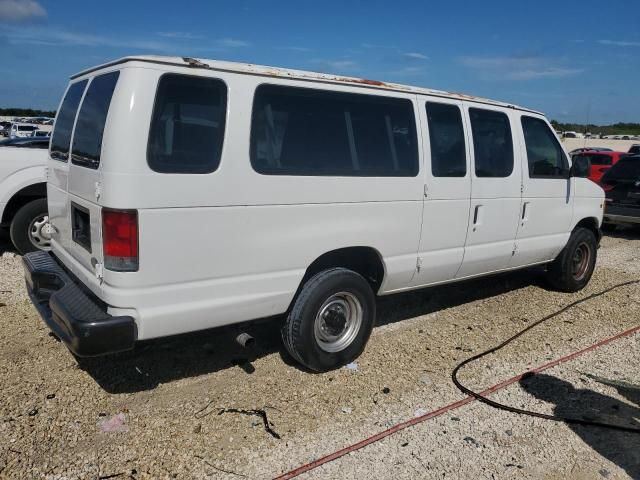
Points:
(29, 228)
(573, 268)
(331, 320)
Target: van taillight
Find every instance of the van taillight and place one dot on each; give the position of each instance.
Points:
(120, 239)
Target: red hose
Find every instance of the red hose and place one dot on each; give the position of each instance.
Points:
(452, 406)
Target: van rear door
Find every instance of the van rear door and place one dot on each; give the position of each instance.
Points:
(75, 178)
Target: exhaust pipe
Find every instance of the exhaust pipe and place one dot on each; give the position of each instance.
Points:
(245, 340)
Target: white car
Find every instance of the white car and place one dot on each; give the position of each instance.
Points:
(21, 130)
(23, 193)
(256, 191)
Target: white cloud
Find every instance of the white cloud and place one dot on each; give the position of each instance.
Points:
(415, 55)
(180, 35)
(341, 64)
(619, 43)
(171, 42)
(233, 43)
(21, 10)
(550, 72)
(523, 67)
(295, 49)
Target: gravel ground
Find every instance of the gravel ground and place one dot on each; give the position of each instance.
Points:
(166, 399)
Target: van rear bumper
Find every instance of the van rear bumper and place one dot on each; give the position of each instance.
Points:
(80, 320)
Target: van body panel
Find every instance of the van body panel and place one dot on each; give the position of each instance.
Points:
(546, 209)
(234, 244)
(495, 206)
(445, 215)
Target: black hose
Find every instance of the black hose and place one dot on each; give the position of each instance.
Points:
(556, 418)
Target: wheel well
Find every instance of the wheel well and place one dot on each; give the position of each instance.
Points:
(364, 260)
(21, 198)
(590, 224)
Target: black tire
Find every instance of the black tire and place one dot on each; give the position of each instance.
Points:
(19, 229)
(609, 227)
(571, 271)
(299, 330)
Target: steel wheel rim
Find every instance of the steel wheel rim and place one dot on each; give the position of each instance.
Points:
(580, 261)
(338, 322)
(39, 232)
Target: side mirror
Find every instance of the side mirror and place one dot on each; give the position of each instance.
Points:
(580, 167)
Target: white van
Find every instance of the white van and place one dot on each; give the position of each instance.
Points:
(188, 194)
(19, 130)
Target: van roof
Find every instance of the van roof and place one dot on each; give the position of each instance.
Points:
(267, 71)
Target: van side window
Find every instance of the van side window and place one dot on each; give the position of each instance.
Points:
(300, 131)
(87, 139)
(492, 143)
(61, 137)
(545, 156)
(446, 135)
(187, 128)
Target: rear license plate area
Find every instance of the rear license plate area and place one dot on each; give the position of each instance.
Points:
(81, 226)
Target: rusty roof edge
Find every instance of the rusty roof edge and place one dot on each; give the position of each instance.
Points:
(262, 70)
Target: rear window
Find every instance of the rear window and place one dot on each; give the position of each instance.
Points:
(64, 123)
(27, 128)
(307, 132)
(87, 139)
(600, 159)
(492, 143)
(187, 128)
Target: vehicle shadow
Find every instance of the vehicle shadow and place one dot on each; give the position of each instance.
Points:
(621, 448)
(168, 359)
(5, 243)
(625, 233)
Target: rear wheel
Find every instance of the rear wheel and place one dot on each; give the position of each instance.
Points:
(29, 228)
(331, 320)
(572, 269)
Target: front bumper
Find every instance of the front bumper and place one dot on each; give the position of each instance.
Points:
(78, 318)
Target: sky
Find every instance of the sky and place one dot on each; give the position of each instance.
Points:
(577, 61)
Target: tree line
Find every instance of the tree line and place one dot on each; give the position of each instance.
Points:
(615, 129)
(26, 112)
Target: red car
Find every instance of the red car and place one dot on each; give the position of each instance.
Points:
(600, 162)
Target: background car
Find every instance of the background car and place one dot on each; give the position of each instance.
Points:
(622, 189)
(601, 161)
(40, 133)
(635, 149)
(23, 192)
(4, 128)
(22, 130)
(27, 142)
(589, 149)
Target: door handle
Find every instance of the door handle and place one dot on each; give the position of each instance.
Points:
(525, 212)
(477, 217)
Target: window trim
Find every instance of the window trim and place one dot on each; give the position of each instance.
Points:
(565, 171)
(464, 138)
(417, 135)
(86, 163)
(66, 157)
(513, 143)
(224, 128)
